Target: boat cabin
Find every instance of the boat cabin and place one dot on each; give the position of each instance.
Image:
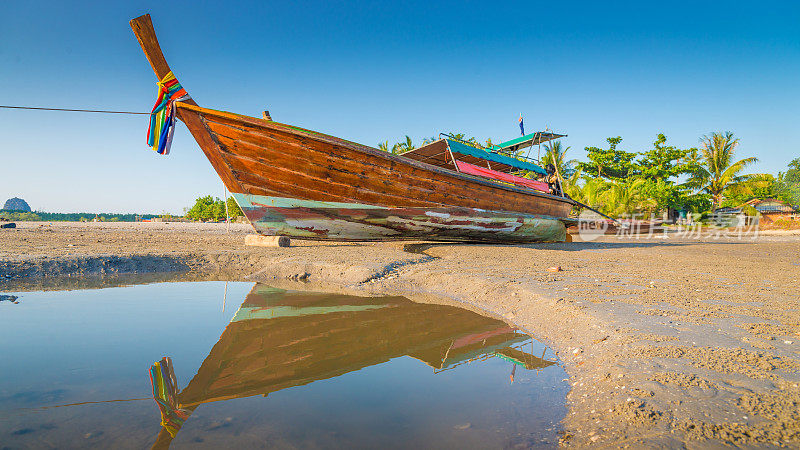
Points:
(498, 163)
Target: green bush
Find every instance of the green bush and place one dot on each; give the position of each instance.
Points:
(212, 208)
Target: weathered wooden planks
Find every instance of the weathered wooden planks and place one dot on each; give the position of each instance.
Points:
(282, 159)
(311, 140)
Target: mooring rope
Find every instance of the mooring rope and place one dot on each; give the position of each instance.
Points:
(74, 110)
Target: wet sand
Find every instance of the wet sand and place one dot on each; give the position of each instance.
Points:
(667, 342)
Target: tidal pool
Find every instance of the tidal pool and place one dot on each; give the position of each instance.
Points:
(244, 365)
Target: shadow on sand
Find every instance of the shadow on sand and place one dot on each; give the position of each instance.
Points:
(422, 247)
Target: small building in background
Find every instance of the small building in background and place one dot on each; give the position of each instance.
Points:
(166, 219)
(769, 210)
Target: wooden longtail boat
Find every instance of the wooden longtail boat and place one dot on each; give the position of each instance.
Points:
(290, 181)
(259, 351)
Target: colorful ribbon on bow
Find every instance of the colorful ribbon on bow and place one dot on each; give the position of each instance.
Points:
(162, 118)
(165, 393)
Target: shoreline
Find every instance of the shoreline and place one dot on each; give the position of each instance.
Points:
(666, 342)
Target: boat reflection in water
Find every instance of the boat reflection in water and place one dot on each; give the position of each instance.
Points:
(280, 339)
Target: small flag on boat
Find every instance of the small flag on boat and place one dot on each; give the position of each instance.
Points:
(521, 126)
(162, 118)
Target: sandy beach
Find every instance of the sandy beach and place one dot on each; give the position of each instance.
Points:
(667, 341)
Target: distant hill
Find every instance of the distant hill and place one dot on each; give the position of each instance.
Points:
(16, 204)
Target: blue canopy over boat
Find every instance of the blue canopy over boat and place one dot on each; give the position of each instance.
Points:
(464, 149)
(527, 140)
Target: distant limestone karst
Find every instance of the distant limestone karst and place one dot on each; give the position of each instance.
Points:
(16, 204)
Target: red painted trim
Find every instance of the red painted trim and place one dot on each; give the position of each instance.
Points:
(495, 175)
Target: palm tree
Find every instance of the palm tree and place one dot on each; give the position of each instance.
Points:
(718, 171)
(463, 137)
(429, 140)
(572, 187)
(384, 147)
(626, 198)
(402, 147)
(555, 155)
(757, 185)
(589, 193)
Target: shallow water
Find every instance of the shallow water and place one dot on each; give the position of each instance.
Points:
(263, 367)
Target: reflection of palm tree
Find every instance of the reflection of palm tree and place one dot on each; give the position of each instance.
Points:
(718, 171)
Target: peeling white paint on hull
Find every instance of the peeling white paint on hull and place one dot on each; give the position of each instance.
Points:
(303, 219)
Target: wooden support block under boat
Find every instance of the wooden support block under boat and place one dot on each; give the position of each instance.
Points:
(258, 240)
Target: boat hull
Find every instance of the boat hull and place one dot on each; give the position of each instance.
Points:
(298, 183)
(337, 221)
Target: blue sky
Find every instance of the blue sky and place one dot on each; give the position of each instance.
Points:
(373, 71)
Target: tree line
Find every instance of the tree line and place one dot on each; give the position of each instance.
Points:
(37, 216)
(666, 177)
(408, 144)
